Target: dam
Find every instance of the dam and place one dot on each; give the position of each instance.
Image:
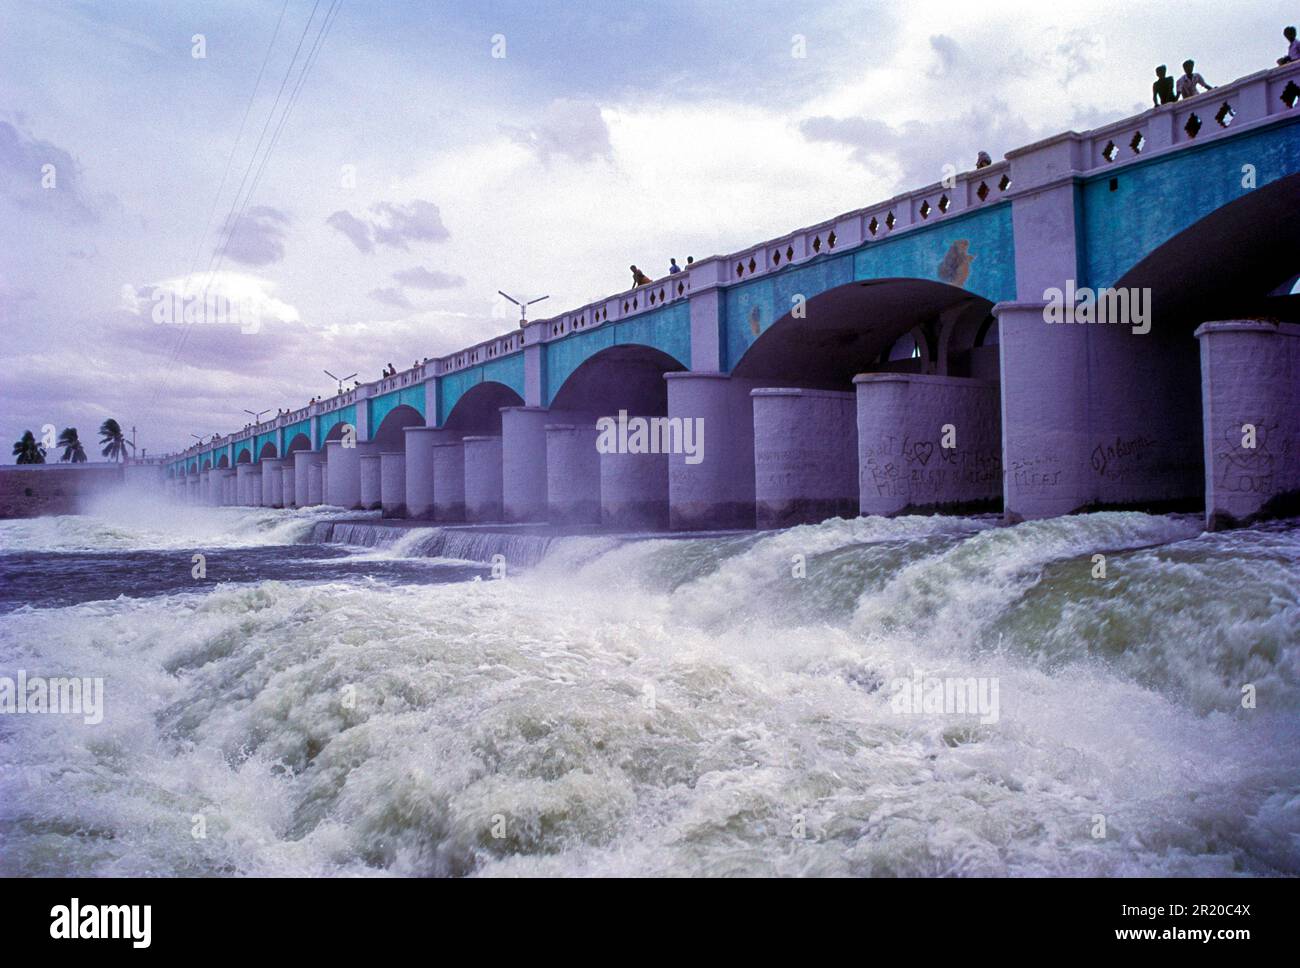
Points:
(911, 356)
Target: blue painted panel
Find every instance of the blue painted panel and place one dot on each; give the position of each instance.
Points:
(507, 370)
(261, 441)
(1167, 195)
(981, 242)
(330, 420)
(294, 429)
(240, 448)
(751, 307)
(667, 329)
(382, 406)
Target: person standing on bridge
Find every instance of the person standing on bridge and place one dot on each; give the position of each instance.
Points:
(1162, 91)
(1190, 80)
(673, 266)
(639, 278)
(1293, 48)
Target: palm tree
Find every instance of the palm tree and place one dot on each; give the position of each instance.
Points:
(72, 449)
(28, 451)
(115, 444)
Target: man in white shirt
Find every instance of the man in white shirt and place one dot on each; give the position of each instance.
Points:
(1293, 47)
(1187, 84)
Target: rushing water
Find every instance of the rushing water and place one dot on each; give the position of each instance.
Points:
(659, 706)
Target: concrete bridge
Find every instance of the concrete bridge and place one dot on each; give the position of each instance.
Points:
(913, 355)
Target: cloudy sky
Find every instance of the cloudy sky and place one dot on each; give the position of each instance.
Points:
(418, 170)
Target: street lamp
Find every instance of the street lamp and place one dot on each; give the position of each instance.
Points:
(523, 306)
(339, 378)
(257, 417)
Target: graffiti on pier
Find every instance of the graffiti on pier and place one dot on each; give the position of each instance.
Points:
(1111, 457)
(1250, 470)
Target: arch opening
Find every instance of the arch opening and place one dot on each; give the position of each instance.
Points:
(478, 411)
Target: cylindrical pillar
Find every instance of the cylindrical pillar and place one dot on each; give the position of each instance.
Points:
(572, 474)
(634, 490)
(315, 482)
(523, 463)
(711, 485)
(371, 482)
(288, 486)
(420, 485)
(482, 479)
(243, 484)
(448, 480)
(302, 461)
(392, 484)
(272, 486)
(255, 487)
(343, 474)
(805, 456)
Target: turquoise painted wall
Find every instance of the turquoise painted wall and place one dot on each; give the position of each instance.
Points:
(1158, 199)
(382, 406)
(331, 420)
(918, 254)
(508, 370)
(294, 429)
(667, 329)
(240, 448)
(264, 439)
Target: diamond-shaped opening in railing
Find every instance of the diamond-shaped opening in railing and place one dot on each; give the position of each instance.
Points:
(740, 269)
(776, 257)
(890, 221)
(830, 239)
(1291, 94)
(1005, 183)
(1138, 143)
(1110, 152)
(752, 264)
(661, 295)
(1193, 126)
(945, 203)
(652, 299)
(983, 191)
(817, 244)
(681, 288)
(1225, 115)
(873, 226)
(925, 210)
(789, 253)
(634, 305)
(624, 306)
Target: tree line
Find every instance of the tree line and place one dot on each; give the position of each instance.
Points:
(29, 450)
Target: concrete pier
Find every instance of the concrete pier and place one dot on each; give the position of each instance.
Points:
(905, 422)
(244, 483)
(805, 456)
(392, 484)
(572, 474)
(315, 482)
(448, 458)
(523, 463)
(288, 486)
(1250, 378)
(272, 482)
(420, 442)
(371, 482)
(718, 491)
(343, 474)
(302, 461)
(634, 491)
(482, 479)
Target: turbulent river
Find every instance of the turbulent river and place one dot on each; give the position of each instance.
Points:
(343, 699)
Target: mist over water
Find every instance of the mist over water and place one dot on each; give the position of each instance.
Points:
(336, 701)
